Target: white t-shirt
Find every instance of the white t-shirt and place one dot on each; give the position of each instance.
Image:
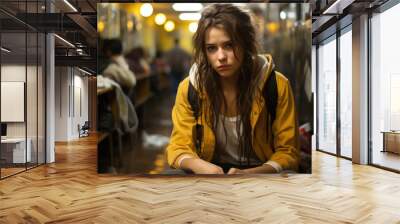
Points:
(227, 145)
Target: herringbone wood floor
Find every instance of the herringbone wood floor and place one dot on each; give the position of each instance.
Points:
(70, 191)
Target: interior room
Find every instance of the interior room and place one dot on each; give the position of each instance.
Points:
(51, 130)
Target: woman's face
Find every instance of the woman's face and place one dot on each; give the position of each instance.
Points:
(220, 53)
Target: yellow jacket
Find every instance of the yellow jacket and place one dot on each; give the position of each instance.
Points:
(285, 127)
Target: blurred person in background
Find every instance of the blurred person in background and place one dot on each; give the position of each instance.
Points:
(178, 61)
(160, 69)
(244, 119)
(137, 60)
(117, 68)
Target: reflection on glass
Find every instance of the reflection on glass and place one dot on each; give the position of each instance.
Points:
(327, 97)
(345, 94)
(14, 146)
(385, 84)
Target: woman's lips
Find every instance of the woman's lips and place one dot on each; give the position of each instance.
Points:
(223, 68)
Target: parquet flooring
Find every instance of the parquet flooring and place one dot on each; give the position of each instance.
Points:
(70, 191)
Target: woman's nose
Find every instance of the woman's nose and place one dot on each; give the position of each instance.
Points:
(221, 55)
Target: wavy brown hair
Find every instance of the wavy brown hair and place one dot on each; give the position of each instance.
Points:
(237, 24)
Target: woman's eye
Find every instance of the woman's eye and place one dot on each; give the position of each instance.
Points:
(211, 48)
(229, 46)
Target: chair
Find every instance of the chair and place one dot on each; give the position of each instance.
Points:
(84, 130)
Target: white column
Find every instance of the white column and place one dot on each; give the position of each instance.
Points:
(50, 99)
(360, 90)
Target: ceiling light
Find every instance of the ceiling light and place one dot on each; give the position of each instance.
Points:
(84, 71)
(189, 16)
(5, 49)
(190, 7)
(334, 8)
(146, 10)
(160, 19)
(283, 15)
(64, 40)
(240, 4)
(193, 27)
(169, 26)
(291, 15)
(70, 5)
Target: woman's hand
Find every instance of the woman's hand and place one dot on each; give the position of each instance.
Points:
(236, 171)
(265, 168)
(199, 166)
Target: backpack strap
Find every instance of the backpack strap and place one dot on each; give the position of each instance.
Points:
(270, 94)
(195, 102)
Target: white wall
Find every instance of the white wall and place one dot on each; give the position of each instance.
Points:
(71, 94)
(14, 73)
(314, 90)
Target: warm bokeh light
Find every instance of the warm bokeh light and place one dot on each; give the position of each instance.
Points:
(193, 27)
(189, 16)
(129, 25)
(160, 19)
(272, 27)
(188, 7)
(146, 10)
(169, 26)
(289, 24)
(100, 26)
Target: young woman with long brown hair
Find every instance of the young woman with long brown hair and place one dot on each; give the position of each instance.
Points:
(238, 130)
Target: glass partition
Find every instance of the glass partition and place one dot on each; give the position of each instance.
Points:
(327, 96)
(385, 89)
(22, 77)
(345, 93)
(14, 153)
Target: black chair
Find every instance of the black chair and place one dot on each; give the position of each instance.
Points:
(84, 130)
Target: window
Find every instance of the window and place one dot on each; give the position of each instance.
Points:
(385, 87)
(345, 93)
(327, 96)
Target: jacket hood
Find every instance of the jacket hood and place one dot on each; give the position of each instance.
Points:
(265, 62)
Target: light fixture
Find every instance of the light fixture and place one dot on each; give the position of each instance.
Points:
(84, 71)
(5, 49)
(335, 7)
(129, 25)
(189, 7)
(70, 5)
(100, 26)
(160, 19)
(146, 10)
(240, 4)
(169, 26)
(291, 15)
(65, 41)
(272, 27)
(193, 27)
(282, 15)
(189, 16)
